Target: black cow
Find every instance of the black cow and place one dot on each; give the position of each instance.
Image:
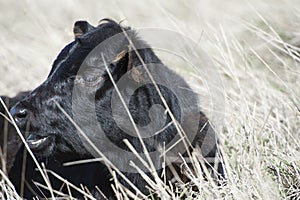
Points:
(83, 77)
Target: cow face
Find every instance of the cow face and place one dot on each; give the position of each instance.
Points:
(49, 129)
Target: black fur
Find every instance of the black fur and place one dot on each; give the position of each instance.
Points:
(88, 174)
(63, 142)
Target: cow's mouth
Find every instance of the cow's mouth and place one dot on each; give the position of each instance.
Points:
(37, 142)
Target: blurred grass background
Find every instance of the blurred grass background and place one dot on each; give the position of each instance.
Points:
(254, 44)
(33, 32)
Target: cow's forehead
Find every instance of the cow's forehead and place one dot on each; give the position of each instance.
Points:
(61, 57)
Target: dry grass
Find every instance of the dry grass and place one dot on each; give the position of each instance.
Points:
(253, 45)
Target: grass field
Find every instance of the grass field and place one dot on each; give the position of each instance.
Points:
(254, 46)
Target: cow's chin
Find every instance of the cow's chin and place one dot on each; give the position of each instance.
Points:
(42, 146)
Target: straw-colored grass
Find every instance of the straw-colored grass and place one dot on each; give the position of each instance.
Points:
(255, 47)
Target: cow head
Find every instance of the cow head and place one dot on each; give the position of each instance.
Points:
(81, 64)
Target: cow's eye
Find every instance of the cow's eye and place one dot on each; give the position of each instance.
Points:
(88, 80)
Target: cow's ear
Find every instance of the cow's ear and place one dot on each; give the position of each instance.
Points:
(81, 27)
